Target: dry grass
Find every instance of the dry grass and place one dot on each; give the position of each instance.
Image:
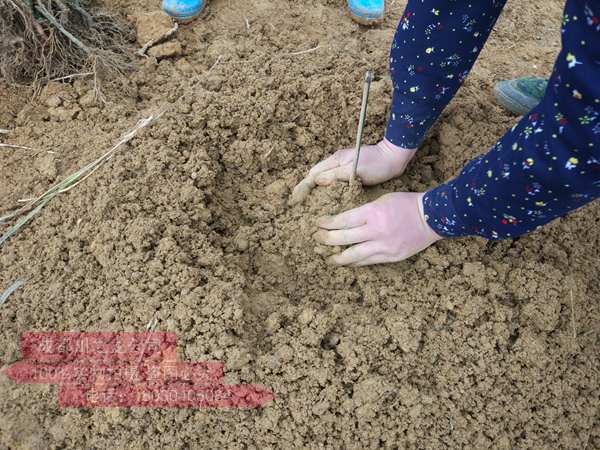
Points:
(27, 212)
(10, 289)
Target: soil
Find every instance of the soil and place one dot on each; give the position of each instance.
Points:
(470, 344)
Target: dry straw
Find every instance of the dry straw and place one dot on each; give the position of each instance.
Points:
(10, 289)
(33, 207)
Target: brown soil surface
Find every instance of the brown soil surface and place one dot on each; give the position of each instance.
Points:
(470, 344)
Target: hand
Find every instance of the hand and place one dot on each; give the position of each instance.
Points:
(391, 228)
(377, 163)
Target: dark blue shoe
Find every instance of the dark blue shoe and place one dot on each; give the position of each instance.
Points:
(367, 12)
(183, 10)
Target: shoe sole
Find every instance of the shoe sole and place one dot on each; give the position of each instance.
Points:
(511, 103)
(187, 19)
(364, 21)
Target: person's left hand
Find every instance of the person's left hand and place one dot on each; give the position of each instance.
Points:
(390, 229)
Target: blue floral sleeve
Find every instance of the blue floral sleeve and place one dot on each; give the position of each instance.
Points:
(434, 48)
(545, 166)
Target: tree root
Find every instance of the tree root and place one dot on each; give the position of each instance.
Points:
(41, 40)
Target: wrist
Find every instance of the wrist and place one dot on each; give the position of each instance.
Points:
(393, 147)
(396, 157)
(441, 213)
(424, 218)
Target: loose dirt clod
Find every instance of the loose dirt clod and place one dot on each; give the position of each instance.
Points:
(156, 40)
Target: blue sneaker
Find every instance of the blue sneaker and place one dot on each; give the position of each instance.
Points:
(367, 12)
(183, 10)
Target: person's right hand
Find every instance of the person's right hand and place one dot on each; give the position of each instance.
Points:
(377, 163)
(392, 228)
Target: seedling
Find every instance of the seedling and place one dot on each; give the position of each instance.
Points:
(361, 122)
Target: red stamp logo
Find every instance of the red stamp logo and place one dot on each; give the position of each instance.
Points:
(99, 370)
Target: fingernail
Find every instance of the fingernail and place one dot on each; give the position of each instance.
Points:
(325, 251)
(322, 180)
(318, 236)
(299, 193)
(322, 221)
(332, 261)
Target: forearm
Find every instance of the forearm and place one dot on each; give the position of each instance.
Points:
(435, 46)
(546, 166)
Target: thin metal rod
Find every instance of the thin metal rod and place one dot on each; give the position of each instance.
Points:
(361, 122)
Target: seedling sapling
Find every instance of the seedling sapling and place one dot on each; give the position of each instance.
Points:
(361, 121)
(303, 188)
